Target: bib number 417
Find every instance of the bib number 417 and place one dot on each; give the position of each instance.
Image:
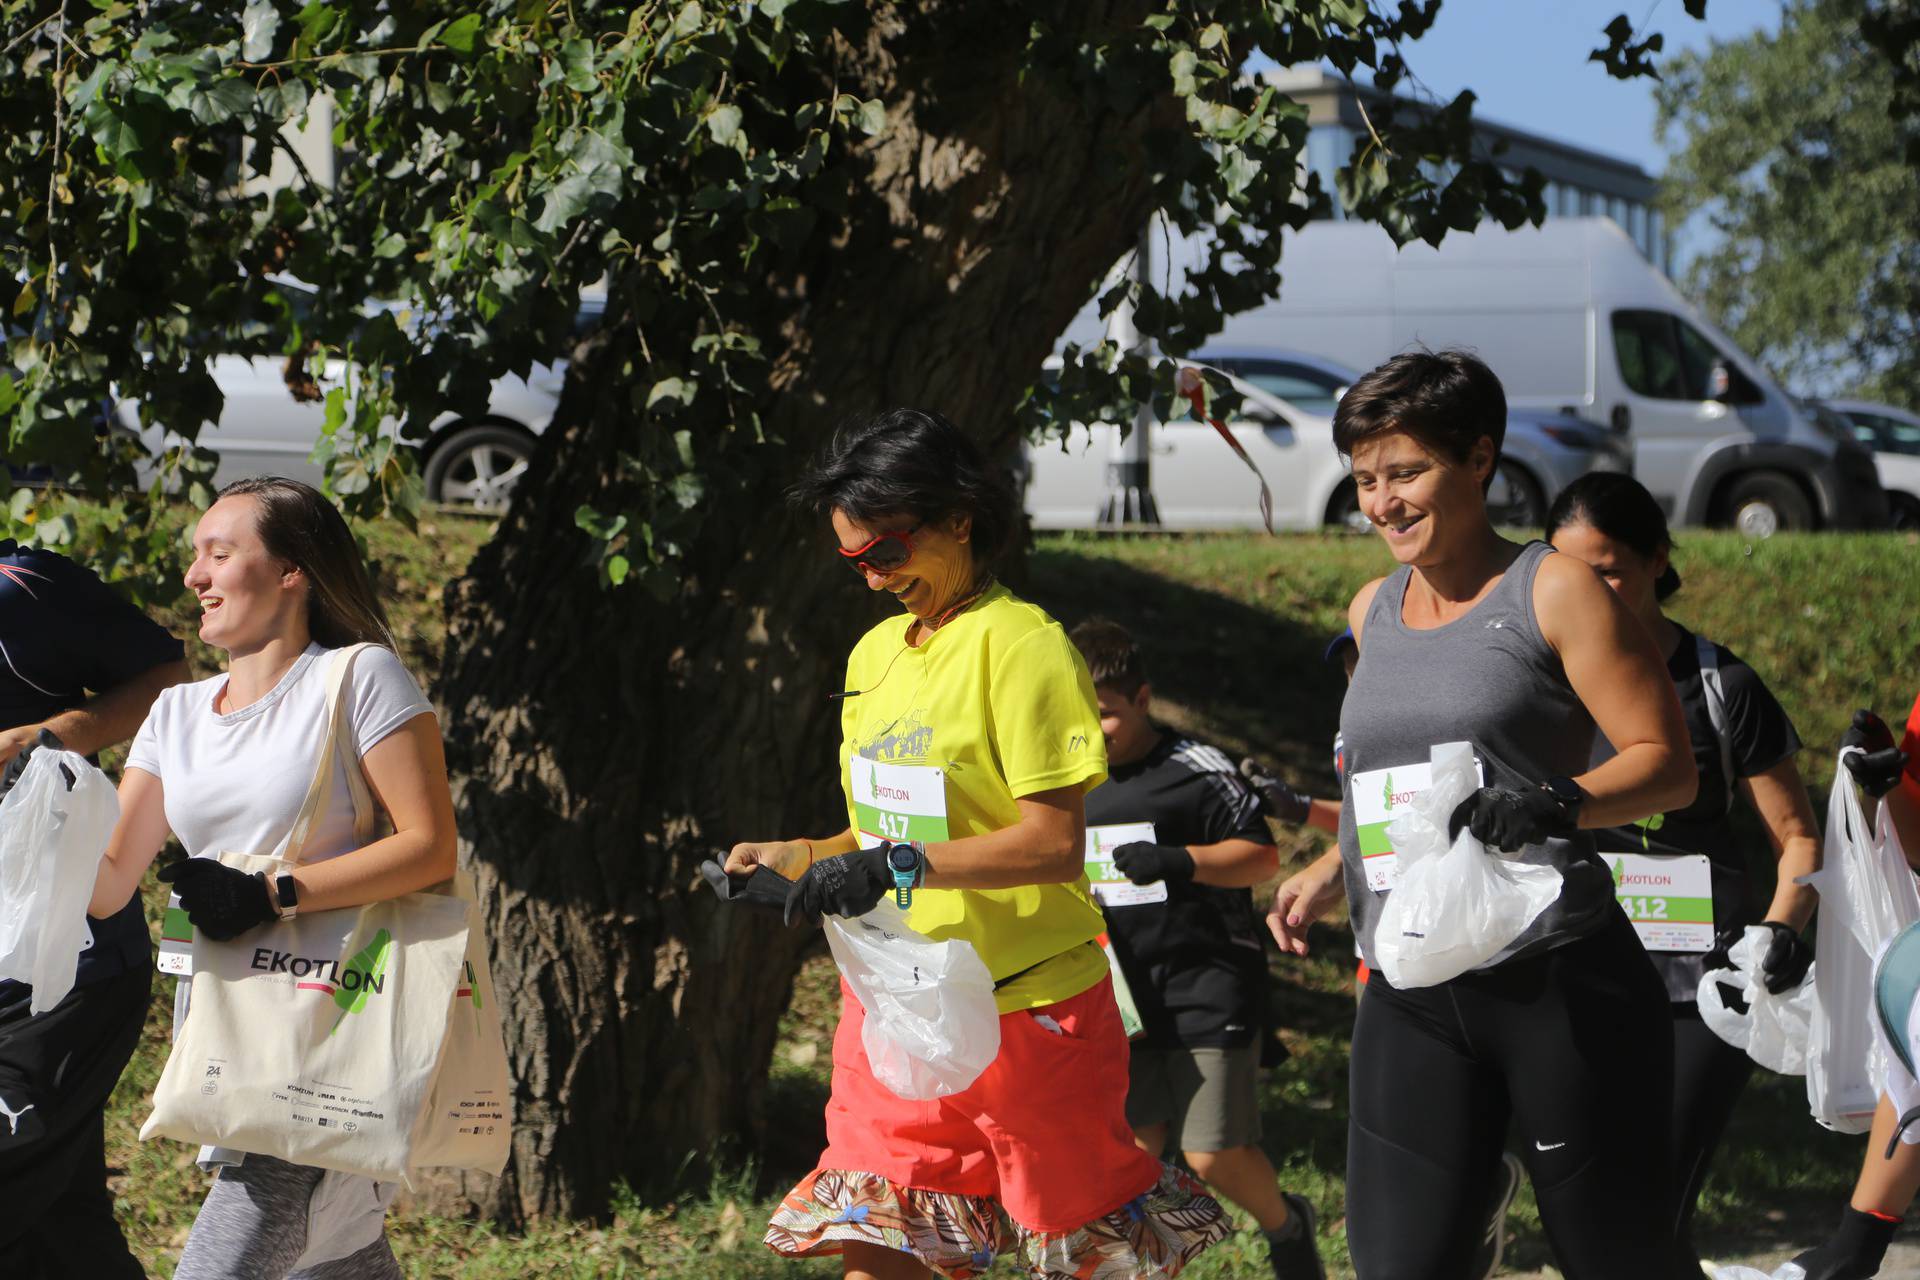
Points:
(893, 825)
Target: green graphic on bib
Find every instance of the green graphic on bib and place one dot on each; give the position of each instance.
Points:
(1669, 898)
(897, 803)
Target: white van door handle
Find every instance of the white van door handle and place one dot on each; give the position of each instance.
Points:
(1622, 419)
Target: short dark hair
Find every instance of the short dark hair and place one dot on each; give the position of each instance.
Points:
(1112, 656)
(1619, 507)
(912, 461)
(1445, 399)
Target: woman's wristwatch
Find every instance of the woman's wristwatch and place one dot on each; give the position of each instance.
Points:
(908, 862)
(282, 895)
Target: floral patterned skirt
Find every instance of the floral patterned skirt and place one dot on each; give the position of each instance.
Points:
(1153, 1235)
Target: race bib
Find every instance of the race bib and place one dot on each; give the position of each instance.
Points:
(176, 941)
(896, 803)
(1669, 898)
(1110, 888)
(1380, 796)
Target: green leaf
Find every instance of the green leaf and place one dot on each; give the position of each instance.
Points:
(872, 117)
(259, 23)
(724, 124)
(460, 34)
(617, 569)
(680, 389)
(391, 245)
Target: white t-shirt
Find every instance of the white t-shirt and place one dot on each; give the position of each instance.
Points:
(234, 783)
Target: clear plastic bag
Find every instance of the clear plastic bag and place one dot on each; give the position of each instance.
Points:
(1455, 905)
(1867, 896)
(931, 1022)
(1774, 1028)
(51, 839)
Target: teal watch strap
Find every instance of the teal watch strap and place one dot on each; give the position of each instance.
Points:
(908, 864)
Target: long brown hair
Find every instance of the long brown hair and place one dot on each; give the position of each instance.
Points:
(298, 525)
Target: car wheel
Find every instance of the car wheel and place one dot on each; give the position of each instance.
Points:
(1514, 499)
(478, 467)
(1765, 503)
(1903, 511)
(1343, 510)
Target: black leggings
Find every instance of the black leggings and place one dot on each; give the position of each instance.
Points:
(1708, 1077)
(1575, 1046)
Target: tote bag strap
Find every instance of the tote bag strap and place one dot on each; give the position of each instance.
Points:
(336, 744)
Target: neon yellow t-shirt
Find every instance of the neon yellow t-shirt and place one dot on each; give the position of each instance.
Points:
(1000, 701)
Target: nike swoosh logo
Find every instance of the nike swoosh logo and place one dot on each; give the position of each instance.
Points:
(1542, 1146)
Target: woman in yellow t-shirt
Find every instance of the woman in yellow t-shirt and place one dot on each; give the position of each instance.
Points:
(969, 738)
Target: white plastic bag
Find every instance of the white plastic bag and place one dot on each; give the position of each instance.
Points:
(1867, 896)
(51, 839)
(1457, 905)
(931, 1023)
(1773, 1030)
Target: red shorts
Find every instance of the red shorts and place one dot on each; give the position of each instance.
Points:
(1043, 1131)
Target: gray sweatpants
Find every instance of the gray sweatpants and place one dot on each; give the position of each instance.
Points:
(254, 1225)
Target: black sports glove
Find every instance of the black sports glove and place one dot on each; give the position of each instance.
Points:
(1503, 819)
(764, 887)
(1878, 764)
(847, 884)
(221, 902)
(18, 765)
(1853, 1252)
(1280, 800)
(1145, 863)
(1785, 964)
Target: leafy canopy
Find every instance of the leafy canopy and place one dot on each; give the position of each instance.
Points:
(1791, 152)
(498, 157)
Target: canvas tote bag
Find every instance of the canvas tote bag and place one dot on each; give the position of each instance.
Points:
(318, 1039)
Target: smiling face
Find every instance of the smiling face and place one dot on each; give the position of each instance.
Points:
(1632, 576)
(940, 571)
(247, 596)
(1422, 502)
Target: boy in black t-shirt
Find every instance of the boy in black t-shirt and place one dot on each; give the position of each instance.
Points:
(63, 635)
(1189, 945)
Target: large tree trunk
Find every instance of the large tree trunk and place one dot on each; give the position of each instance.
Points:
(603, 742)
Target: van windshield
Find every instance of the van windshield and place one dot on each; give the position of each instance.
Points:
(1663, 357)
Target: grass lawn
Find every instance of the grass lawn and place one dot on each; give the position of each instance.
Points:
(1233, 628)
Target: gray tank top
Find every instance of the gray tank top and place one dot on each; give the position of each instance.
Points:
(1488, 678)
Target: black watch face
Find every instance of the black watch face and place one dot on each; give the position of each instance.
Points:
(901, 857)
(1563, 790)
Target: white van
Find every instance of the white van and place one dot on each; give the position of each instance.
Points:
(1572, 317)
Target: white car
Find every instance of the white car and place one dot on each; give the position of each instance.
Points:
(1198, 483)
(1894, 436)
(469, 461)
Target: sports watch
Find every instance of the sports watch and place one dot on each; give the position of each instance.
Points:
(282, 894)
(1567, 795)
(907, 862)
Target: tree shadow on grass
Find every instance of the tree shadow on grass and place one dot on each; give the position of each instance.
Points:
(1250, 680)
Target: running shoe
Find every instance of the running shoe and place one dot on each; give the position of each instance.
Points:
(1486, 1259)
(1297, 1258)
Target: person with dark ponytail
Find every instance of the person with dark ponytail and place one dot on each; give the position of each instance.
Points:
(1686, 864)
(224, 764)
(970, 735)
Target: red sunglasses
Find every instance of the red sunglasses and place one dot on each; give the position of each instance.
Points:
(886, 553)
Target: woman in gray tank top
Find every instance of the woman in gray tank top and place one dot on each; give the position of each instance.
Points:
(1523, 654)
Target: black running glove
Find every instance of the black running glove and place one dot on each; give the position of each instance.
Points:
(1787, 959)
(1503, 819)
(221, 902)
(848, 884)
(1854, 1252)
(1280, 800)
(763, 887)
(1878, 764)
(1145, 863)
(18, 765)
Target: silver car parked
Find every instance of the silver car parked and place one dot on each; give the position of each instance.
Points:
(1543, 453)
(465, 461)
